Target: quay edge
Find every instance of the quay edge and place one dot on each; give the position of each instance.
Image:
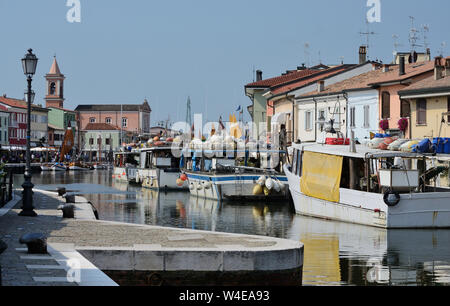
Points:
(150, 255)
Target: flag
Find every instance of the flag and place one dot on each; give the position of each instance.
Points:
(239, 109)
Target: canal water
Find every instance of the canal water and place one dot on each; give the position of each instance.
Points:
(336, 254)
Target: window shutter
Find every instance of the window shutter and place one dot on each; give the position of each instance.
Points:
(421, 111)
(448, 109)
(386, 105)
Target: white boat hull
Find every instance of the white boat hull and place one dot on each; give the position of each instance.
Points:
(159, 179)
(76, 168)
(58, 168)
(230, 187)
(46, 168)
(120, 174)
(415, 210)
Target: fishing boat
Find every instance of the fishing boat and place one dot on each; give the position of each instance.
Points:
(59, 167)
(248, 175)
(46, 168)
(160, 169)
(78, 167)
(369, 186)
(100, 167)
(126, 165)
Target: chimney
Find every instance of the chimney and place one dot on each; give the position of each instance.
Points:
(438, 68)
(258, 75)
(447, 68)
(320, 86)
(362, 54)
(401, 68)
(385, 68)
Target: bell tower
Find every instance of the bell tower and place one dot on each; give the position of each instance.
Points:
(55, 87)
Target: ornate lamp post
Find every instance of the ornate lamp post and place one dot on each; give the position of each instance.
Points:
(29, 63)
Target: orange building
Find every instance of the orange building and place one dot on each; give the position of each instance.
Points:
(394, 79)
(131, 118)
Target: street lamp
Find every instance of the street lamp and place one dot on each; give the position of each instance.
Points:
(29, 64)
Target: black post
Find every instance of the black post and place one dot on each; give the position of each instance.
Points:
(10, 185)
(27, 199)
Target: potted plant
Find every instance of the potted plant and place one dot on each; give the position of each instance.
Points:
(384, 125)
(403, 125)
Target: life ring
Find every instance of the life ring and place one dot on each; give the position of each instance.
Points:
(390, 202)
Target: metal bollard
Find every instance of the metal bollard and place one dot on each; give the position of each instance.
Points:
(3, 247)
(36, 243)
(68, 211)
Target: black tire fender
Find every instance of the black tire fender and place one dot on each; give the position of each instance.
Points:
(390, 203)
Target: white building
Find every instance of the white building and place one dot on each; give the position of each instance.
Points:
(352, 104)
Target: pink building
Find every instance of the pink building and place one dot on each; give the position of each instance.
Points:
(131, 118)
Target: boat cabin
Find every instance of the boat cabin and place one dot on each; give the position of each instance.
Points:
(370, 170)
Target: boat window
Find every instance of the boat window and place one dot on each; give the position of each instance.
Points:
(294, 162)
(299, 163)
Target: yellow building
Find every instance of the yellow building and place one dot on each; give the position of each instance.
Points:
(429, 100)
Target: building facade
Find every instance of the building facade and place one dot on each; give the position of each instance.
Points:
(100, 140)
(129, 118)
(17, 126)
(4, 126)
(430, 103)
(39, 126)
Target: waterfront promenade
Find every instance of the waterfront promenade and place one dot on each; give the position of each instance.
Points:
(112, 253)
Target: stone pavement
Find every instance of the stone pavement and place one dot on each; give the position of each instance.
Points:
(113, 246)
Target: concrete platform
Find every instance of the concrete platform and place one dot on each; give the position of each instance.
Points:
(128, 254)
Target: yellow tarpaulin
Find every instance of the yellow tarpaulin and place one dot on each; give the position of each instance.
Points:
(321, 176)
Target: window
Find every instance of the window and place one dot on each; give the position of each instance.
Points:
(405, 109)
(52, 90)
(386, 105)
(308, 121)
(108, 141)
(92, 120)
(294, 162)
(124, 122)
(448, 109)
(108, 120)
(322, 118)
(421, 111)
(366, 116)
(91, 141)
(352, 117)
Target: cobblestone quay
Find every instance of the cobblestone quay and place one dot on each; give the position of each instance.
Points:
(114, 253)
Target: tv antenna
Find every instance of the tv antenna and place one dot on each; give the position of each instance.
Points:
(368, 33)
(413, 38)
(307, 58)
(425, 30)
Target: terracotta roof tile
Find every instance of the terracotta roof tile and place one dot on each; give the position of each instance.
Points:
(428, 84)
(366, 80)
(411, 70)
(306, 81)
(292, 76)
(100, 127)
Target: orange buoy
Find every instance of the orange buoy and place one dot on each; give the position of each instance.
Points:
(183, 177)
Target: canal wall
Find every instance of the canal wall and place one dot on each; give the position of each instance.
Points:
(132, 254)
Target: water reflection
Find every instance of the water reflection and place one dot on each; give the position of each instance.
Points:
(335, 253)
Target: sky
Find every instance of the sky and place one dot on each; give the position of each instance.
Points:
(125, 51)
